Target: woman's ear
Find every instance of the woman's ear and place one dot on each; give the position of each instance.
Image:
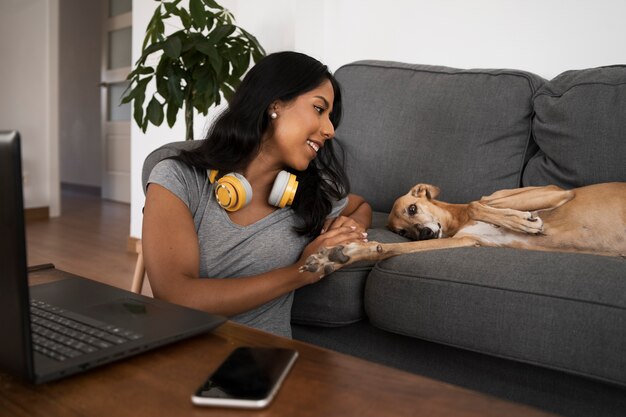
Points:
(275, 107)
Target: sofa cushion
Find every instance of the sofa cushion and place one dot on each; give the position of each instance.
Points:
(465, 131)
(559, 310)
(337, 299)
(580, 128)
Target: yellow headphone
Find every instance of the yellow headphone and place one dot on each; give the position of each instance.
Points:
(233, 191)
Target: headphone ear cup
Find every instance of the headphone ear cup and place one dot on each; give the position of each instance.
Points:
(284, 190)
(233, 191)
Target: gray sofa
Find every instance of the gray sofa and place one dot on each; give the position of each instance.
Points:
(546, 329)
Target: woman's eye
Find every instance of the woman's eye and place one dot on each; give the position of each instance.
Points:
(319, 109)
(412, 210)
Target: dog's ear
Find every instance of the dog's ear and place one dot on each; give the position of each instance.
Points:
(425, 190)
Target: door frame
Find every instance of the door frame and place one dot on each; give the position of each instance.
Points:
(108, 77)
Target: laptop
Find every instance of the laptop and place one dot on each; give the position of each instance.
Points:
(71, 325)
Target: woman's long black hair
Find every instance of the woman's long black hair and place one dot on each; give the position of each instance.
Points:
(235, 138)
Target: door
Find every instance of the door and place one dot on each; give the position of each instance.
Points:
(116, 118)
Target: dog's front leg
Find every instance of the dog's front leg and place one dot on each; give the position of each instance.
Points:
(328, 260)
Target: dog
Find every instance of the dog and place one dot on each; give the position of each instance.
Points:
(589, 219)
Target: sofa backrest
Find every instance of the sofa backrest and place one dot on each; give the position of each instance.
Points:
(466, 131)
(166, 151)
(580, 128)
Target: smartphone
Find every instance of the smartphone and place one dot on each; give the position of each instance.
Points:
(248, 378)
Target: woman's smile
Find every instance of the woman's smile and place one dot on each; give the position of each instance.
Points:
(314, 145)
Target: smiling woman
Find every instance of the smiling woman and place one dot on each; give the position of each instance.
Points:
(274, 139)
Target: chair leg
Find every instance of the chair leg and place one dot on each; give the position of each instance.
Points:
(138, 277)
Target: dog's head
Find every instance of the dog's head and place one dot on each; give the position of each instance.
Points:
(415, 216)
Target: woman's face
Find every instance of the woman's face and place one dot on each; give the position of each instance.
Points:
(302, 127)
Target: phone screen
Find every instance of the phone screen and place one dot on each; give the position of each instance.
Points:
(249, 377)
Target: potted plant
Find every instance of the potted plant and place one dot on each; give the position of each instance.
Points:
(198, 63)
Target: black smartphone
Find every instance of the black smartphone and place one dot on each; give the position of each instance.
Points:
(248, 378)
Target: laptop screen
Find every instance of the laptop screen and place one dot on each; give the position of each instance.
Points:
(15, 349)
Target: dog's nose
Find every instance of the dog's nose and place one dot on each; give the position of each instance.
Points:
(427, 233)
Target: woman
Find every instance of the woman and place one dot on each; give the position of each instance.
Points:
(282, 117)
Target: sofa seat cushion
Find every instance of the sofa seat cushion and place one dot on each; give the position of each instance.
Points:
(558, 310)
(580, 128)
(466, 131)
(337, 300)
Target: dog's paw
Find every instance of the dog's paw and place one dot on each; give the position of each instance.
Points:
(523, 222)
(326, 260)
(533, 224)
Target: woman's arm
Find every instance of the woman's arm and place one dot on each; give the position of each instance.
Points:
(357, 214)
(172, 255)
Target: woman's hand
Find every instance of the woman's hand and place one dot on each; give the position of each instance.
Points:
(343, 221)
(336, 235)
(350, 226)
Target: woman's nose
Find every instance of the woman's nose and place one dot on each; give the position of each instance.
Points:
(328, 130)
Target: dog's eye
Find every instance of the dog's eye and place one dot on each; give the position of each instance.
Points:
(401, 232)
(412, 210)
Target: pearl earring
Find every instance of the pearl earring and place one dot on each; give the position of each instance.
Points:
(273, 115)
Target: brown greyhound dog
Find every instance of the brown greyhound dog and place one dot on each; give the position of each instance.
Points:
(589, 219)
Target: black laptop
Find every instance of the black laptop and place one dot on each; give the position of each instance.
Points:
(53, 330)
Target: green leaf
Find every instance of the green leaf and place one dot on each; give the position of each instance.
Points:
(185, 18)
(172, 112)
(253, 40)
(212, 4)
(171, 8)
(188, 43)
(172, 47)
(152, 26)
(154, 112)
(138, 112)
(127, 98)
(220, 32)
(209, 50)
(144, 125)
(198, 16)
(176, 92)
(210, 20)
(162, 88)
(228, 91)
(139, 92)
(257, 55)
(140, 70)
(243, 63)
(149, 50)
(202, 78)
(193, 59)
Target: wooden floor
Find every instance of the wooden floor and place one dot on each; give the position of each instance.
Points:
(88, 239)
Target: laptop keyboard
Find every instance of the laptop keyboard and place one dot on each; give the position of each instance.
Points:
(61, 334)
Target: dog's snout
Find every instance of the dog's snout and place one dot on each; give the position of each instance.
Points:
(427, 233)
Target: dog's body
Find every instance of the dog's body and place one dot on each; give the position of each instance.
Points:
(589, 219)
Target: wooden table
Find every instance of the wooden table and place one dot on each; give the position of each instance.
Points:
(322, 383)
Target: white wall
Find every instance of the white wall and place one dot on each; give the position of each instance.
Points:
(29, 93)
(541, 36)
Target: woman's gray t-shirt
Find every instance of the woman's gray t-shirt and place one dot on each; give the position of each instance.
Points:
(228, 250)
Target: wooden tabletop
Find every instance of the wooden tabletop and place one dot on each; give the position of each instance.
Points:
(322, 383)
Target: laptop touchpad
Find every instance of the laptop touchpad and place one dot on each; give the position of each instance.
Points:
(126, 308)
